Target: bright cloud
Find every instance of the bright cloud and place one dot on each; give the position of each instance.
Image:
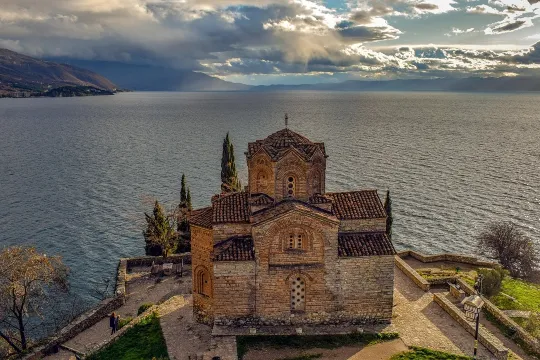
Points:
(231, 38)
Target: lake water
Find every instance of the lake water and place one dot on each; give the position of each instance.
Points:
(76, 174)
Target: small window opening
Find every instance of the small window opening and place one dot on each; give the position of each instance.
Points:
(298, 294)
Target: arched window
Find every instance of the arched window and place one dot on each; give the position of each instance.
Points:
(203, 285)
(317, 183)
(298, 294)
(296, 240)
(262, 181)
(291, 187)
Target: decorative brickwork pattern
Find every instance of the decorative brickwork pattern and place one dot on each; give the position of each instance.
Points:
(277, 144)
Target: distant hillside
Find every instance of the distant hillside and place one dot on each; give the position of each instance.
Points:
(502, 84)
(154, 78)
(24, 74)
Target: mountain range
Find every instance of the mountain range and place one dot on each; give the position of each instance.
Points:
(155, 78)
(21, 73)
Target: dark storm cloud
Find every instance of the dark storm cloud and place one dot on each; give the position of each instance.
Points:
(510, 27)
(426, 6)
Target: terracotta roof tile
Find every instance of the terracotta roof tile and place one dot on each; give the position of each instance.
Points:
(237, 248)
(320, 199)
(261, 199)
(231, 208)
(201, 217)
(364, 204)
(277, 145)
(364, 244)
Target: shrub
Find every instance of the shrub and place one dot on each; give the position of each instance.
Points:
(123, 322)
(515, 251)
(143, 308)
(491, 280)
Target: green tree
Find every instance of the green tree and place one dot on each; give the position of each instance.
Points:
(188, 200)
(161, 234)
(229, 176)
(183, 194)
(389, 218)
(28, 281)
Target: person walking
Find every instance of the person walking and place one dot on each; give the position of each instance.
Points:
(112, 321)
(117, 323)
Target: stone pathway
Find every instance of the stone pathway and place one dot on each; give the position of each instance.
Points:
(184, 336)
(141, 289)
(421, 322)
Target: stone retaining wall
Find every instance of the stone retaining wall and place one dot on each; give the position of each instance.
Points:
(459, 258)
(119, 333)
(494, 345)
(78, 325)
(532, 342)
(104, 308)
(411, 273)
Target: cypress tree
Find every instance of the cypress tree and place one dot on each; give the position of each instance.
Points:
(188, 200)
(229, 176)
(389, 218)
(183, 195)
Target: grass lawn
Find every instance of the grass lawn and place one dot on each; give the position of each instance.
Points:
(142, 342)
(417, 353)
(245, 343)
(527, 295)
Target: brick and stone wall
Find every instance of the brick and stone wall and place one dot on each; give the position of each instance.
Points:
(337, 290)
(367, 284)
(261, 175)
(224, 231)
(363, 225)
(201, 255)
(234, 288)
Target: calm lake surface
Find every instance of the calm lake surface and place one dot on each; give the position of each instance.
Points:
(76, 174)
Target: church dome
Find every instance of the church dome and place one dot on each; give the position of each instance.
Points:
(278, 143)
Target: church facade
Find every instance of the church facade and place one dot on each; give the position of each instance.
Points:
(285, 252)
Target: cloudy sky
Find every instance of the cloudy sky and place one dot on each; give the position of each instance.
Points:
(286, 41)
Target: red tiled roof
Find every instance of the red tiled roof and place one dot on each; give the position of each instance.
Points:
(364, 204)
(231, 208)
(201, 217)
(320, 199)
(277, 145)
(237, 248)
(261, 199)
(364, 244)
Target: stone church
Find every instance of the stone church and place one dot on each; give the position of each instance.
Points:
(285, 252)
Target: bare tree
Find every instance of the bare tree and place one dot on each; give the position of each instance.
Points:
(514, 250)
(27, 281)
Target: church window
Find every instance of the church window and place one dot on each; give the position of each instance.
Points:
(296, 241)
(261, 182)
(291, 186)
(298, 294)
